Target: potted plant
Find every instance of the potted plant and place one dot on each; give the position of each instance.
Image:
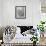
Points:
(34, 39)
(41, 27)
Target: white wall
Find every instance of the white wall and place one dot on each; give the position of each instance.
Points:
(0, 13)
(36, 7)
(32, 12)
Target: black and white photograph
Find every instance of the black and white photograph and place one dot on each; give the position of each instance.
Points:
(20, 12)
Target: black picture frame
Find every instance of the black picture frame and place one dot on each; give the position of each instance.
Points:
(20, 12)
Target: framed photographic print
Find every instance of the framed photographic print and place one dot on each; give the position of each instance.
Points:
(20, 12)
